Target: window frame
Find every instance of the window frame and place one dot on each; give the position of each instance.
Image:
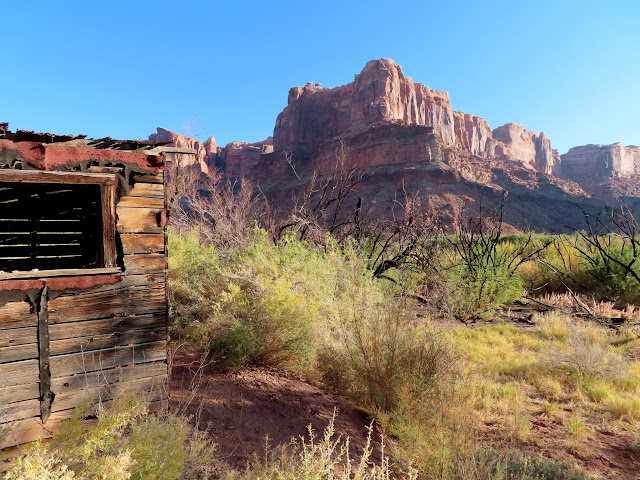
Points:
(107, 248)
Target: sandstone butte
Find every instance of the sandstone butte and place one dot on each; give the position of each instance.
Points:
(405, 138)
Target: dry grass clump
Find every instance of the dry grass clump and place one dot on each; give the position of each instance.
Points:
(314, 458)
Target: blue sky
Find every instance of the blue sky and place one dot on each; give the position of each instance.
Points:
(122, 68)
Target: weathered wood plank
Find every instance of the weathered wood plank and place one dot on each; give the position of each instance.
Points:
(142, 243)
(74, 363)
(18, 352)
(117, 302)
(19, 393)
(139, 220)
(117, 325)
(17, 314)
(108, 226)
(18, 373)
(36, 176)
(147, 190)
(74, 272)
(145, 263)
(108, 377)
(141, 202)
(110, 340)
(18, 336)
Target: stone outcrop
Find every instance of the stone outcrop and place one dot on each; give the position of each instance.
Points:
(513, 141)
(590, 164)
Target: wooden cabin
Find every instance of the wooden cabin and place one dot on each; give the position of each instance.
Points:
(83, 308)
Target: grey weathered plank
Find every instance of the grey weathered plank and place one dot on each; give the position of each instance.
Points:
(17, 314)
(18, 373)
(18, 336)
(141, 189)
(74, 363)
(105, 326)
(109, 340)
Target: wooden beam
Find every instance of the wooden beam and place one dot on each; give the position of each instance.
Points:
(37, 176)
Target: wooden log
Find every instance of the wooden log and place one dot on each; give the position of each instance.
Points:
(139, 220)
(17, 314)
(147, 190)
(137, 264)
(142, 243)
(75, 363)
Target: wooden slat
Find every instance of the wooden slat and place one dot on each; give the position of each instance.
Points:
(108, 340)
(74, 363)
(142, 243)
(141, 202)
(35, 176)
(70, 383)
(108, 226)
(17, 336)
(138, 220)
(116, 302)
(16, 314)
(19, 373)
(136, 264)
(19, 393)
(147, 190)
(108, 377)
(18, 352)
(116, 325)
(72, 272)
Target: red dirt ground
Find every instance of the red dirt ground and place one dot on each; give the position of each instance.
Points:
(242, 408)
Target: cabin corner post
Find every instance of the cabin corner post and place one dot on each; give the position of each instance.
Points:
(46, 395)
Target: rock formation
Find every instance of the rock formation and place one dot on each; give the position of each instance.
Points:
(404, 137)
(590, 164)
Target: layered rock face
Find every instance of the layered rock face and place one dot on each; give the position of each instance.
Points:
(381, 93)
(404, 138)
(589, 164)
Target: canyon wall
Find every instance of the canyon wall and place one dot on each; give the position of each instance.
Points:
(592, 163)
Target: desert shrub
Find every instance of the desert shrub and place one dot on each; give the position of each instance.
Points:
(479, 292)
(126, 443)
(494, 465)
(313, 458)
(269, 303)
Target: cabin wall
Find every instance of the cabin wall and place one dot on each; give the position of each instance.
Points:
(99, 334)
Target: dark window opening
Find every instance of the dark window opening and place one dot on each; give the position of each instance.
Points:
(49, 226)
